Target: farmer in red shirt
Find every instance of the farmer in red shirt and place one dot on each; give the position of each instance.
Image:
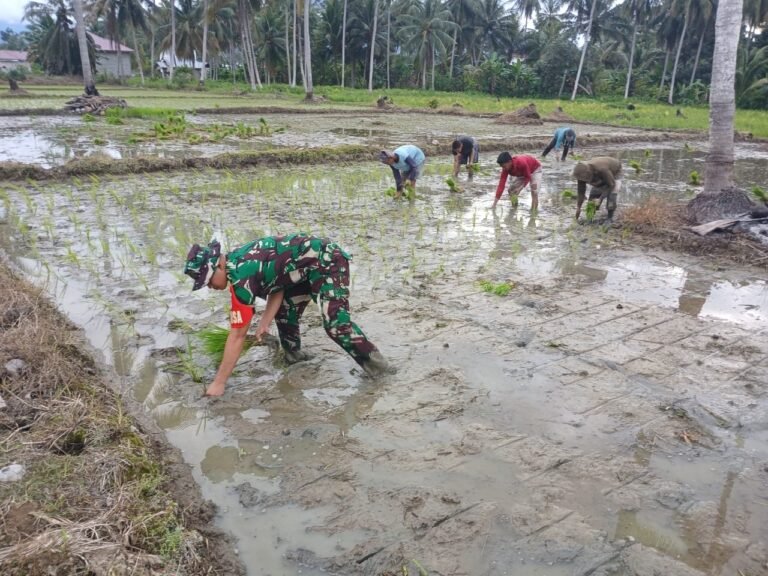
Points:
(526, 169)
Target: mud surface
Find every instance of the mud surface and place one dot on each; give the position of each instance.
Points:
(48, 142)
(607, 416)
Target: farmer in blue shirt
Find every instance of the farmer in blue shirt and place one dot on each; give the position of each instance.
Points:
(564, 137)
(408, 160)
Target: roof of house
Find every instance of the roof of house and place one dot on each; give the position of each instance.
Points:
(13, 55)
(106, 45)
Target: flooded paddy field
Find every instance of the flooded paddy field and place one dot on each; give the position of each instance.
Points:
(50, 141)
(606, 416)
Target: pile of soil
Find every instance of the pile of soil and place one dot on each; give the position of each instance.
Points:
(96, 491)
(527, 115)
(726, 204)
(559, 116)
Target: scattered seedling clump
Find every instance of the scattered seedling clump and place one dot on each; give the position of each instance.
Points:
(636, 165)
(760, 194)
(694, 178)
(568, 194)
(499, 289)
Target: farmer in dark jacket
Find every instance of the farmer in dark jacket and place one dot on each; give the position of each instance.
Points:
(603, 174)
(466, 151)
(287, 272)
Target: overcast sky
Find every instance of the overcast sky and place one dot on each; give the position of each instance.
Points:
(12, 10)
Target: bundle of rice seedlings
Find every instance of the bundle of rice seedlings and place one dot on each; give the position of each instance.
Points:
(214, 338)
(452, 186)
(591, 210)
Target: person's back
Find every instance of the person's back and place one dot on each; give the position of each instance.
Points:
(407, 151)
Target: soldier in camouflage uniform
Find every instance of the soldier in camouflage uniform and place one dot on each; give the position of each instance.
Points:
(287, 272)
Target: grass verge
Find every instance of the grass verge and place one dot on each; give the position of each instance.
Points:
(97, 495)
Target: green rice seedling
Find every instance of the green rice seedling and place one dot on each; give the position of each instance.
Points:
(568, 194)
(760, 194)
(694, 178)
(452, 186)
(213, 339)
(591, 210)
(500, 289)
(264, 129)
(89, 118)
(636, 165)
(99, 141)
(187, 363)
(577, 156)
(647, 153)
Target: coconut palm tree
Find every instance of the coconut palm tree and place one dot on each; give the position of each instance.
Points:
(638, 11)
(718, 173)
(464, 14)
(82, 41)
(308, 88)
(373, 44)
(676, 8)
(584, 48)
(425, 32)
(54, 43)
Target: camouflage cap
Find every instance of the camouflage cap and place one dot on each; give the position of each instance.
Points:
(201, 263)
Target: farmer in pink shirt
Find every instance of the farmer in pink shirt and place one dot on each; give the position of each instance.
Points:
(526, 170)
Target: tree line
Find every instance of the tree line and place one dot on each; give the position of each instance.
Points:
(635, 48)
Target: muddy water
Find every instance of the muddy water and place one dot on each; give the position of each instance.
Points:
(610, 408)
(50, 141)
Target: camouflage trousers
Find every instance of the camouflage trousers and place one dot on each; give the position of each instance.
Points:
(328, 286)
(613, 195)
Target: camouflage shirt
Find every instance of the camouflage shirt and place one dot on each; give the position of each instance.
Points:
(273, 263)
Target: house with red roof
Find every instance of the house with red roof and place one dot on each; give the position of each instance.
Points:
(11, 59)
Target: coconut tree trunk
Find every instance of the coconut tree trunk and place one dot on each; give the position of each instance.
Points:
(287, 46)
(309, 91)
(718, 174)
(205, 42)
(293, 78)
(138, 55)
(301, 57)
(172, 51)
(671, 98)
(584, 50)
(389, 29)
(664, 71)
(82, 42)
(453, 50)
(698, 54)
(152, 53)
(432, 55)
(631, 58)
(373, 44)
(119, 59)
(344, 43)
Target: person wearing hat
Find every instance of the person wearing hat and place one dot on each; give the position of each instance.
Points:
(603, 174)
(526, 170)
(466, 151)
(405, 161)
(287, 272)
(565, 138)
